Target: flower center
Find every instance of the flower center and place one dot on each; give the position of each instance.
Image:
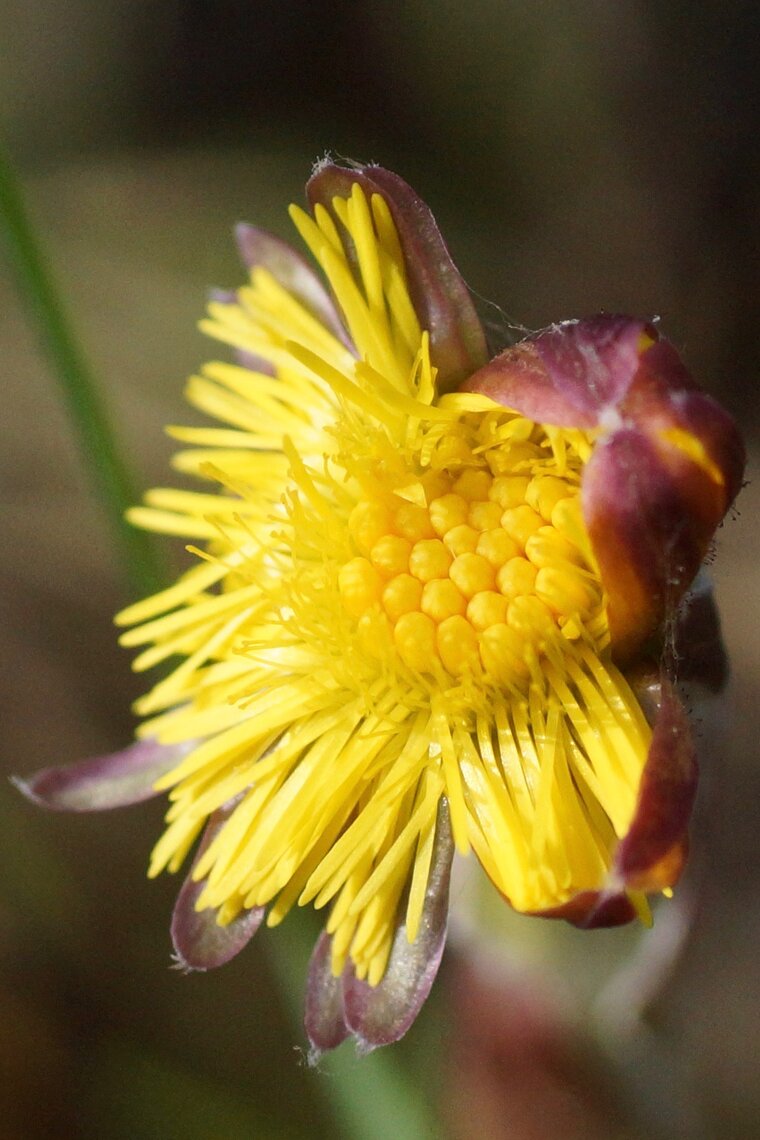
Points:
(481, 581)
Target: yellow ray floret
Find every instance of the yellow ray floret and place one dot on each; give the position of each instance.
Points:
(396, 601)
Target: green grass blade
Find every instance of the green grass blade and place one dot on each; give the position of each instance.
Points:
(109, 474)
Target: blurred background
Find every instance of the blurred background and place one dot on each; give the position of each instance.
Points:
(578, 157)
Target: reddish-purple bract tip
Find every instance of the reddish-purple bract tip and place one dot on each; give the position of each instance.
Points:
(200, 943)
(667, 460)
(324, 1019)
(440, 297)
(259, 249)
(102, 782)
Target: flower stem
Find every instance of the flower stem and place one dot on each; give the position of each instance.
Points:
(109, 475)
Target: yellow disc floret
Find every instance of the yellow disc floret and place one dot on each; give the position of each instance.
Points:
(491, 592)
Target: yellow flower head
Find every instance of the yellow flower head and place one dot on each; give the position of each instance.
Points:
(408, 610)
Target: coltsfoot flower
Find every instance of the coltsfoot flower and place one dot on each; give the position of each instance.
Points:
(426, 612)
